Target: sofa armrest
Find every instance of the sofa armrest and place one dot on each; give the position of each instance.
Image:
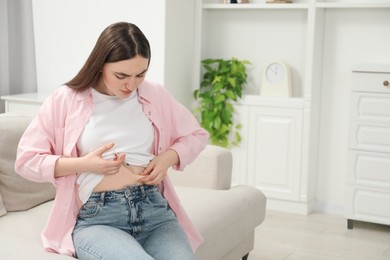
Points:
(212, 169)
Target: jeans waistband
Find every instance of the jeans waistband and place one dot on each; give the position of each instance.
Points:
(128, 191)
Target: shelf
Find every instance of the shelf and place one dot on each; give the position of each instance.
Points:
(254, 6)
(285, 102)
(367, 5)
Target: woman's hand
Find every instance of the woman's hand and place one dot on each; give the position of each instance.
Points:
(95, 163)
(157, 169)
(92, 162)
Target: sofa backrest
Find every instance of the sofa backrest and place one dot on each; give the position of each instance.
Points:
(212, 169)
(17, 193)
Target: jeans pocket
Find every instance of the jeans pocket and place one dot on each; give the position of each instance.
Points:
(89, 209)
(156, 199)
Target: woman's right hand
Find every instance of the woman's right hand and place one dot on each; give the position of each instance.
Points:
(94, 161)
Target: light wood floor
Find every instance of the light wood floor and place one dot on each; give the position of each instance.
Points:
(319, 237)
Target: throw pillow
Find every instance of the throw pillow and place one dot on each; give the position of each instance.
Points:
(18, 193)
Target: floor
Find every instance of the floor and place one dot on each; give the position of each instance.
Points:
(319, 237)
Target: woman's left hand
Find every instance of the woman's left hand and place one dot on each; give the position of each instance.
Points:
(157, 169)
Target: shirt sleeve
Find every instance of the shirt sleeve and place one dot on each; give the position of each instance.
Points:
(36, 158)
(187, 138)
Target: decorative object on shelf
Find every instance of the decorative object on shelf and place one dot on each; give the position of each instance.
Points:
(278, 1)
(276, 80)
(236, 1)
(222, 84)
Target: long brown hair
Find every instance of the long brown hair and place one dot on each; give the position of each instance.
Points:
(119, 41)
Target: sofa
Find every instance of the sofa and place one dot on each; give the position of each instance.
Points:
(226, 216)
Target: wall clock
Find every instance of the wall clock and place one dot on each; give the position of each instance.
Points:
(276, 80)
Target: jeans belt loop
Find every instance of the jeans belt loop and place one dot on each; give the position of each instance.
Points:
(143, 190)
(102, 195)
(127, 192)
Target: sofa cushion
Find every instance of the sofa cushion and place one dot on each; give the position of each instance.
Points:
(20, 234)
(17, 193)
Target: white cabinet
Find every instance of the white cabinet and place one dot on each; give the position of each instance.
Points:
(24, 104)
(270, 154)
(368, 175)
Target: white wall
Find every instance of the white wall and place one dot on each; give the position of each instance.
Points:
(66, 31)
(351, 36)
(179, 49)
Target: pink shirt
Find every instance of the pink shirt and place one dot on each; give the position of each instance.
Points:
(54, 133)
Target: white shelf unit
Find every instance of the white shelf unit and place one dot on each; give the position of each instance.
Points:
(261, 32)
(368, 168)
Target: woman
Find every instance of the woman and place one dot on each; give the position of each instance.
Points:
(106, 140)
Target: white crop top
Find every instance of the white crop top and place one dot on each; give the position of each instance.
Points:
(118, 121)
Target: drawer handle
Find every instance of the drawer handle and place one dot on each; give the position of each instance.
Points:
(385, 83)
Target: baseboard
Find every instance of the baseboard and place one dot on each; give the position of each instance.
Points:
(296, 207)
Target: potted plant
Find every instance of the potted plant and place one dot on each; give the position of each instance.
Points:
(222, 84)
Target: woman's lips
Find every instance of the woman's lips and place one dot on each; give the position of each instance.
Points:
(126, 92)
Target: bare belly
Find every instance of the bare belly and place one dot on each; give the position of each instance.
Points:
(127, 175)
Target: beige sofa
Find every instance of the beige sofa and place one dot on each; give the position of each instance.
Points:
(226, 216)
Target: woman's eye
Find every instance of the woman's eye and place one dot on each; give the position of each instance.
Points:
(120, 77)
(141, 76)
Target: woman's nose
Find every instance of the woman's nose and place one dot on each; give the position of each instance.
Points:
(130, 84)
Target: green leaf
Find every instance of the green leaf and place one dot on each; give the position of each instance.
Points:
(224, 129)
(196, 92)
(230, 94)
(226, 116)
(217, 87)
(217, 123)
(232, 82)
(219, 98)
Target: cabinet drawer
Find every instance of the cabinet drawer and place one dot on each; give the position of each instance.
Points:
(368, 204)
(371, 82)
(369, 169)
(370, 137)
(370, 107)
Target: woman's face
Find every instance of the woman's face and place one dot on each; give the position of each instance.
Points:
(123, 77)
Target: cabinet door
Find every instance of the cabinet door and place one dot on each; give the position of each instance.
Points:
(274, 152)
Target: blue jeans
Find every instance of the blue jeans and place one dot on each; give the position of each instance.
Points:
(133, 223)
